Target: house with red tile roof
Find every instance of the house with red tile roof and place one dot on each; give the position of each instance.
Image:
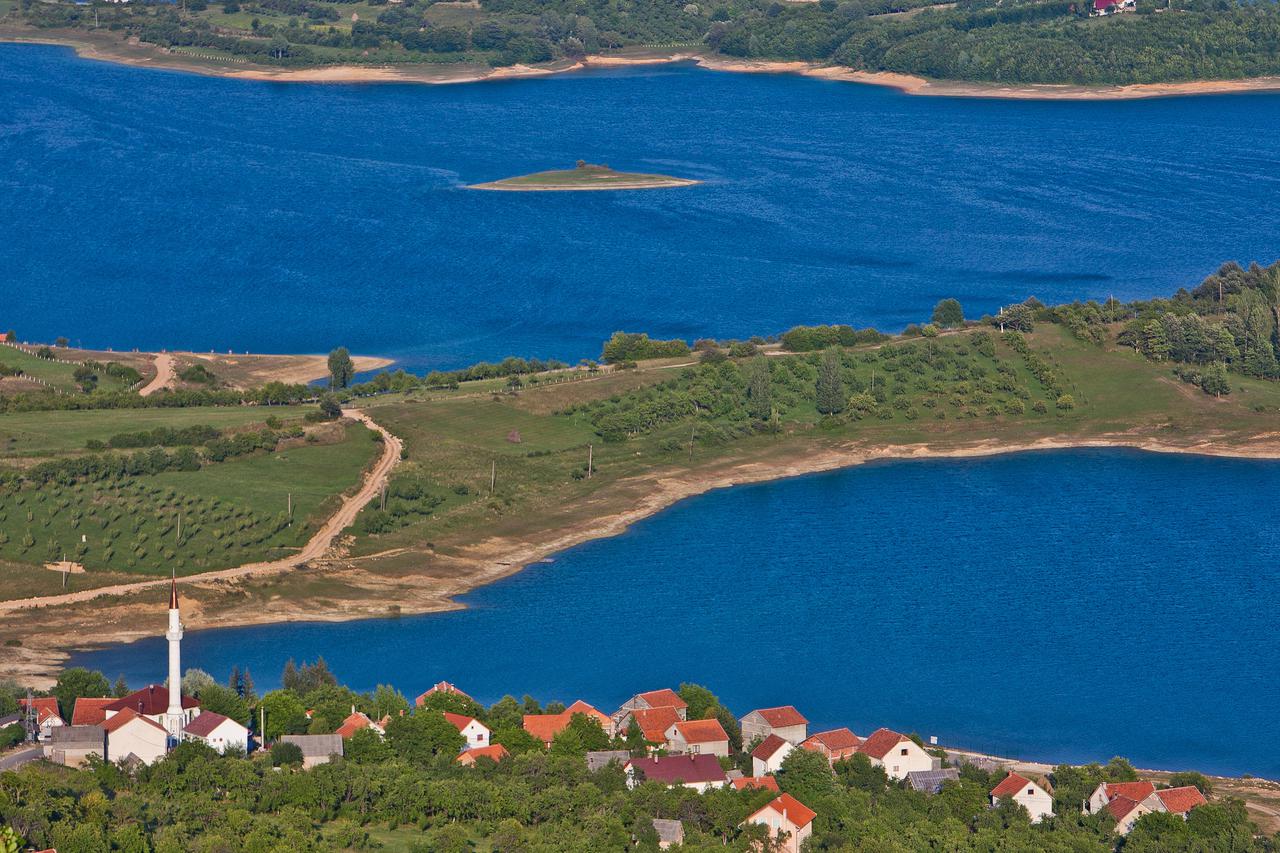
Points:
(545, 727)
(469, 757)
(476, 732)
(784, 721)
(767, 783)
(1177, 801)
(47, 714)
(1036, 800)
(1108, 791)
(835, 744)
(769, 754)
(440, 687)
(152, 702)
(90, 711)
(653, 723)
(790, 822)
(129, 733)
(698, 737)
(358, 720)
(580, 707)
(664, 698)
(1126, 811)
(896, 753)
(699, 772)
(218, 732)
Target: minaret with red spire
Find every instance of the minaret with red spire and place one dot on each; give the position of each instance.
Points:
(173, 719)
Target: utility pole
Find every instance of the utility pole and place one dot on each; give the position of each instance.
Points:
(179, 537)
(493, 476)
(693, 432)
(590, 459)
(289, 506)
(383, 505)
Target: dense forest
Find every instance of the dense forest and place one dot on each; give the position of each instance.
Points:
(1009, 41)
(406, 792)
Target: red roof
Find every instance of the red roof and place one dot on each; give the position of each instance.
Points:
(1136, 791)
(664, 698)
(119, 720)
(460, 721)
(441, 687)
(46, 707)
(766, 782)
(680, 768)
(1010, 785)
(768, 748)
(879, 742)
(781, 717)
(580, 707)
(654, 722)
(794, 811)
(836, 740)
(1181, 800)
(90, 711)
(356, 721)
(1120, 805)
(546, 726)
(1099, 5)
(495, 753)
(701, 731)
(203, 725)
(150, 701)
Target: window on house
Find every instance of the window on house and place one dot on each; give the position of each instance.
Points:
(904, 751)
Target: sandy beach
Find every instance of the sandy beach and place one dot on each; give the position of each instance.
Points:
(147, 56)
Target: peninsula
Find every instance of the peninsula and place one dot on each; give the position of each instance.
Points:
(585, 177)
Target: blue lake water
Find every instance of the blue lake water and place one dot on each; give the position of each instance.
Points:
(1064, 606)
(141, 208)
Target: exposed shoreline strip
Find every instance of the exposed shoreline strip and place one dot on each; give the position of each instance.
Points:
(148, 57)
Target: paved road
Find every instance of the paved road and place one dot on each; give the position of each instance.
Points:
(17, 759)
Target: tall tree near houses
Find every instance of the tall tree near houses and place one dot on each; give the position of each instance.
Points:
(830, 385)
(341, 368)
(759, 390)
(948, 314)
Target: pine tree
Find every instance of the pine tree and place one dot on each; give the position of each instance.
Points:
(830, 387)
(233, 681)
(121, 689)
(759, 390)
(289, 678)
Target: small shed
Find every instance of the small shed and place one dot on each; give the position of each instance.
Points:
(670, 832)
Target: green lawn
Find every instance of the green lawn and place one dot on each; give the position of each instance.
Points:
(28, 434)
(56, 373)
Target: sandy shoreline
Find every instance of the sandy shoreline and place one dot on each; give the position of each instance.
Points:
(148, 57)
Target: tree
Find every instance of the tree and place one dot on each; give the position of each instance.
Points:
(583, 734)
(61, 342)
(11, 336)
(806, 775)
(222, 700)
(341, 368)
(830, 385)
(759, 390)
(76, 682)
(857, 771)
(121, 688)
(285, 714)
(422, 735)
(1193, 779)
(1016, 318)
(516, 740)
(948, 314)
(283, 754)
(366, 746)
(330, 408)
(386, 701)
(195, 680)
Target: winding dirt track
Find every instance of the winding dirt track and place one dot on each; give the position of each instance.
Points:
(314, 549)
(164, 375)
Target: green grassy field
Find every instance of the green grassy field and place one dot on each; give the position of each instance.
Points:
(56, 373)
(222, 515)
(38, 434)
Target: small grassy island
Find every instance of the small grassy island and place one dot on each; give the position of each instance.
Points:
(585, 176)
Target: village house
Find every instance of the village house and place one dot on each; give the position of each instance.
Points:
(1108, 791)
(653, 723)
(133, 736)
(769, 754)
(469, 757)
(836, 744)
(1179, 801)
(476, 732)
(72, 745)
(1098, 8)
(790, 822)
(1036, 800)
(767, 783)
(152, 702)
(441, 687)
(217, 732)
(669, 832)
(931, 781)
(358, 720)
(602, 758)
(664, 698)
(545, 727)
(896, 753)
(699, 772)
(316, 749)
(698, 737)
(1129, 801)
(47, 716)
(1126, 812)
(90, 711)
(785, 722)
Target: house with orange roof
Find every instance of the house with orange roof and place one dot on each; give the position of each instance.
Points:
(769, 754)
(1036, 800)
(358, 720)
(476, 732)
(790, 822)
(469, 757)
(90, 711)
(698, 737)
(440, 687)
(1126, 811)
(766, 783)
(653, 723)
(545, 727)
(1179, 801)
(47, 714)
(835, 744)
(896, 753)
(664, 698)
(129, 733)
(217, 732)
(784, 721)
(1108, 791)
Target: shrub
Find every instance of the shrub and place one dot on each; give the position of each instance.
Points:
(1066, 401)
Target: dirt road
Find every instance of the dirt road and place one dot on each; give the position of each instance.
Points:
(164, 375)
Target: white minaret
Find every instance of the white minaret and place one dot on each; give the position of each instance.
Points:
(173, 720)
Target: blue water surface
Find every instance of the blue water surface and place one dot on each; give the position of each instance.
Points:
(143, 208)
(1065, 606)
